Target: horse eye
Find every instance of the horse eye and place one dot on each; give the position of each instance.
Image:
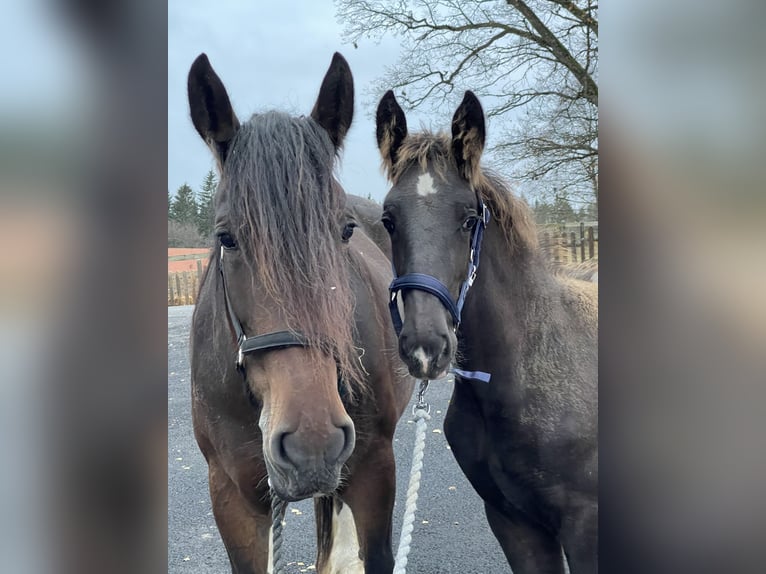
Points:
(348, 231)
(388, 224)
(470, 223)
(226, 240)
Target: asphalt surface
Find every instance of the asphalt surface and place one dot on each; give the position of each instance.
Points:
(451, 534)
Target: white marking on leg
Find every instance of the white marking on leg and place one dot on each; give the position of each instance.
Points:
(270, 565)
(426, 185)
(420, 355)
(344, 556)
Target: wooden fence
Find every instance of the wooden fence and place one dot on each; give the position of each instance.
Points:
(565, 246)
(184, 285)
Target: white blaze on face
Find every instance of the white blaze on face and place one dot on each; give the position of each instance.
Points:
(344, 556)
(420, 355)
(426, 185)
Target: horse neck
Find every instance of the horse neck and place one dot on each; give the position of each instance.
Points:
(513, 286)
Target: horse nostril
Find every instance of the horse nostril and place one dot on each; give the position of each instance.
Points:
(335, 444)
(278, 449)
(404, 346)
(345, 438)
(445, 346)
(298, 451)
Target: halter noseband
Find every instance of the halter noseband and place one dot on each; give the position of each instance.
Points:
(430, 284)
(265, 342)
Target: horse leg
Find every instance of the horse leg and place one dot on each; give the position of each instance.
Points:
(362, 526)
(528, 548)
(338, 549)
(246, 533)
(579, 537)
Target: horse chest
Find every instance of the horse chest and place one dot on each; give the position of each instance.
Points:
(499, 455)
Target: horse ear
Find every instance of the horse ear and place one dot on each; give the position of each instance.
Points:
(390, 129)
(211, 111)
(334, 108)
(468, 135)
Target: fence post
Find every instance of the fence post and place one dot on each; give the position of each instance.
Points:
(188, 288)
(170, 290)
(591, 254)
(582, 241)
(178, 289)
(573, 246)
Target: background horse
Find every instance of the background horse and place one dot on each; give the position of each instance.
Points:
(366, 214)
(584, 270)
(299, 300)
(527, 439)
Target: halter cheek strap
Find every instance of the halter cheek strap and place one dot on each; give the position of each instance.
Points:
(430, 284)
(266, 342)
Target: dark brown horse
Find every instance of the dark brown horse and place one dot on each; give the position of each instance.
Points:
(295, 378)
(527, 439)
(366, 214)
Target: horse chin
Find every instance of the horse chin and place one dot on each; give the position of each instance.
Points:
(434, 372)
(301, 486)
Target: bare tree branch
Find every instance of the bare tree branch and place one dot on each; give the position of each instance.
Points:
(549, 39)
(582, 15)
(534, 64)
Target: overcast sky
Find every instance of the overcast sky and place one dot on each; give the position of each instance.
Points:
(269, 55)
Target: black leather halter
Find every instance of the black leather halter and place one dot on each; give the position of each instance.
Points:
(265, 342)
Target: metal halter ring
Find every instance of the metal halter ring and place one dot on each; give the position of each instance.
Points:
(421, 404)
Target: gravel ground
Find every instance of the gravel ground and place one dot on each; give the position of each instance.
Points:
(451, 533)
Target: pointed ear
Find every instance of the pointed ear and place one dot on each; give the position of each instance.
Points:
(390, 129)
(334, 108)
(211, 111)
(468, 134)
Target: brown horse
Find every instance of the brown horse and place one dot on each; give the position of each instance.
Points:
(366, 214)
(295, 380)
(527, 438)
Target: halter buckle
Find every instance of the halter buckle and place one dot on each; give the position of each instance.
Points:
(240, 362)
(421, 404)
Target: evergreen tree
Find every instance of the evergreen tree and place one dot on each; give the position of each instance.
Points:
(205, 214)
(542, 212)
(592, 212)
(562, 210)
(184, 207)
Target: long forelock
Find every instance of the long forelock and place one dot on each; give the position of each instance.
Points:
(285, 209)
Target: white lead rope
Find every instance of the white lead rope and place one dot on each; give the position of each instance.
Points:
(278, 508)
(421, 411)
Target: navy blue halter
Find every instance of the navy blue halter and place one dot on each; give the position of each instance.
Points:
(430, 284)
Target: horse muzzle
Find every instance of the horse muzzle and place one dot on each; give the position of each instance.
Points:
(427, 356)
(304, 463)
